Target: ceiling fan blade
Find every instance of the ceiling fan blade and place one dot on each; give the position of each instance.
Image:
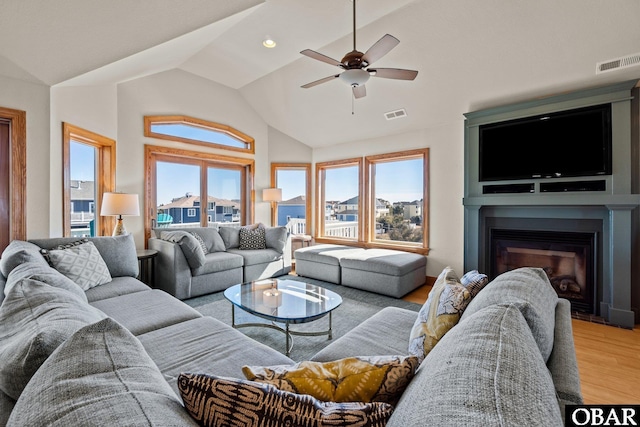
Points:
(380, 48)
(320, 57)
(317, 82)
(393, 73)
(359, 91)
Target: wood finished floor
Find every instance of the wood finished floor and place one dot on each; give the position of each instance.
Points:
(608, 359)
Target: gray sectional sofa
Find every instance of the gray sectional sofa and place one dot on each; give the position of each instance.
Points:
(113, 356)
(182, 275)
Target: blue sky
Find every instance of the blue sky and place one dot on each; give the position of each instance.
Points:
(395, 181)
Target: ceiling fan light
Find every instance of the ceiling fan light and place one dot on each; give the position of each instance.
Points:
(354, 77)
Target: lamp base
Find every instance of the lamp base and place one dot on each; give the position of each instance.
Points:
(119, 230)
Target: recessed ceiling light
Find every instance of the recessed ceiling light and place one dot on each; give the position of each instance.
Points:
(268, 42)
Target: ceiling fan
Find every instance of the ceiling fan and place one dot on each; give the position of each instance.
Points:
(355, 64)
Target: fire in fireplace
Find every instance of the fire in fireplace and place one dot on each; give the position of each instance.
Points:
(568, 258)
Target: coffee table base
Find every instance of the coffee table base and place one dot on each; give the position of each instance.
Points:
(286, 330)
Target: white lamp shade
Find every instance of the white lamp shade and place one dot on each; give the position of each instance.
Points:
(272, 195)
(120, 204)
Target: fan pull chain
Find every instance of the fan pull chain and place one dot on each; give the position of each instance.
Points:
(353, 101)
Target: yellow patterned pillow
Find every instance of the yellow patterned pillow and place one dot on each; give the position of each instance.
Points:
(354, 379)
(442, 310)
(215, 401)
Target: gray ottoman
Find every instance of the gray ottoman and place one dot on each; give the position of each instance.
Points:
(384, 271)
(322, 262)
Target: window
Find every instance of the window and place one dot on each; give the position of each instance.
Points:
(294, 211)
(396, 194)
(339, 204)
(375, 201)
(88, 172)
(177, 180)
(197, 131)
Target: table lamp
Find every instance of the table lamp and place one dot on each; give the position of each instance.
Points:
(119, 204)
(273, 195)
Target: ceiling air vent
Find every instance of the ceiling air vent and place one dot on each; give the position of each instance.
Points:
(614, 64)
(395, 114)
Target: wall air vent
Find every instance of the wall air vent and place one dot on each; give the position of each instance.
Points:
(615, 64)
(395, 114)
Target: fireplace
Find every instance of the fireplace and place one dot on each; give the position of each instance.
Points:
(568, 259)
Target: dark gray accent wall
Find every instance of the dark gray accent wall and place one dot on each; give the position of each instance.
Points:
(617, 208)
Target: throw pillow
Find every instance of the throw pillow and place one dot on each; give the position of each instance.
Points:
(474, 281)
(214, 401)
(35, 319)
(441, 312)
(201, 242)
(81, 263)
(101, 376)
(276, 238)
(190, 247)
(252, 238)
(353, 379)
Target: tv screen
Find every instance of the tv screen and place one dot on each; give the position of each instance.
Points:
(563, 144)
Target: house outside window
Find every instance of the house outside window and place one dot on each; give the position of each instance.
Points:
(191, 212)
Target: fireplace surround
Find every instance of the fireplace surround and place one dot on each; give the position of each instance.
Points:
(606, 214)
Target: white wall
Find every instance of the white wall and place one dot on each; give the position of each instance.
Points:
(93, 108)
(284, 149)
(446, 165)
(34, 99)
(179, 92)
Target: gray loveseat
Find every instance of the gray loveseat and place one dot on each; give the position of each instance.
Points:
(183, 275)
(114, 356)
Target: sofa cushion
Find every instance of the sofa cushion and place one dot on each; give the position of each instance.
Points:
(209, 398)
(377, 335)
(19, 252)
(486, 371)
(206, 344)
(145, 311)
(527, 285)
(43, 273)
(118, 252)
(352, 379)
(35, 318)
(385, 261)
(190, 247)
(441, 312)
(257, 256)
(276, 238)
(326, 253)
(100, 377)
(252, 238)
(81, 263)
(219, 261)
(118, 286)
(230, 236)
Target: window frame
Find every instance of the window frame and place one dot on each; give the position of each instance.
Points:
(105, 175)
(154, 154)
(205, 124)
(321, 168)
(366, 211)
(370, 162)
(306, 167)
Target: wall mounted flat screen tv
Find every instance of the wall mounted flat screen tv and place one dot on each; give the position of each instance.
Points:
(562, 144)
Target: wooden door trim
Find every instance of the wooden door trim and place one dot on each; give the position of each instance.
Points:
(18, 172)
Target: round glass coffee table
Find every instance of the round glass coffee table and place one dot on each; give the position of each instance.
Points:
(283, 301)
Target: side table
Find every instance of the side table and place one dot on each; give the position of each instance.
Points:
(146, 260)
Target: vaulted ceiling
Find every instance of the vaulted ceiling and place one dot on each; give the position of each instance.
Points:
(470, 54)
